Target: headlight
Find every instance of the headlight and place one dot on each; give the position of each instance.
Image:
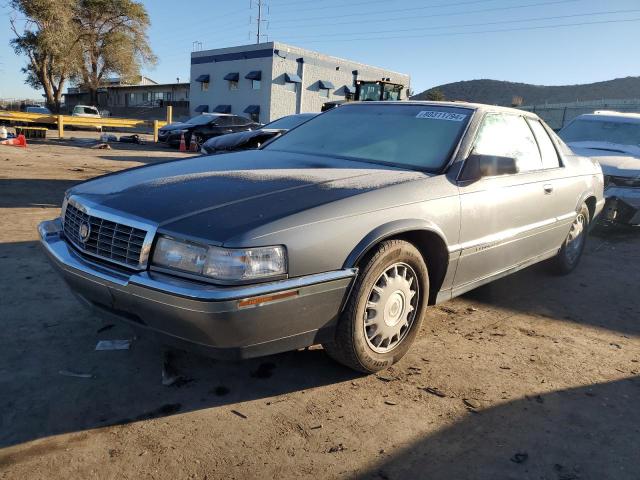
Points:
(220, 263)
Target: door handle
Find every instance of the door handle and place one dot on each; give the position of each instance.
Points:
(548, 188)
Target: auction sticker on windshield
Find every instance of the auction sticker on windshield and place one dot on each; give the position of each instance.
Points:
(452, 117)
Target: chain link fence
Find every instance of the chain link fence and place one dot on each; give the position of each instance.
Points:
(557, 115)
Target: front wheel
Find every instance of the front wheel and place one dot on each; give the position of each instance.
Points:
(384, 312)
(571, 251)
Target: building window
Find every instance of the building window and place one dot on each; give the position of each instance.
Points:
(291, 81)
(233, 84)
(324, 86)
(204, 86)
(255, 84)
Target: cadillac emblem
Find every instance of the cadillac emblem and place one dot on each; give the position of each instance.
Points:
(84, 231)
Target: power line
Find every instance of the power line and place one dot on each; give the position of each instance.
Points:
(516, 29)
(436, 27)
(341, 4)
(427, 7)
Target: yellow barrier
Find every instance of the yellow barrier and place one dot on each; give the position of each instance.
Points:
(64, 120)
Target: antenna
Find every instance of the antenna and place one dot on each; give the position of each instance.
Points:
(196, 46)
(261, 6)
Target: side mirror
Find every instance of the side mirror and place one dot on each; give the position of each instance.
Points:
(477, 166)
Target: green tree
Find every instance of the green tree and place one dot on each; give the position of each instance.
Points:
(48, 38)
(435, 95)
(113, 39)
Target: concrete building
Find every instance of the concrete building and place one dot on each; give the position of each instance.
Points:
(133, 98)
(269, 80)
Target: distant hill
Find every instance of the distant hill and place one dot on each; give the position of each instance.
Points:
(496, 92)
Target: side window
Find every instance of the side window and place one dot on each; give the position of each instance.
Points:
(503, 135)
(240, 121)
(548, 151)
(223, 122)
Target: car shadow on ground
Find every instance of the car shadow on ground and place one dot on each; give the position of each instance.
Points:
(609, 285)
(41, 347)
(580, 433)
(124, 386)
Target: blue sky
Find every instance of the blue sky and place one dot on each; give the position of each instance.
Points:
(435, 41)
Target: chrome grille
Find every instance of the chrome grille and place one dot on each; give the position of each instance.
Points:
(111, 241)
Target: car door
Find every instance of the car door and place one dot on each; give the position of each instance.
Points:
(567, 187)
(505, 220)
(225, 125)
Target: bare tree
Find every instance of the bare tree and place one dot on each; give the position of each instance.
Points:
(517, 101)
(47, 37)
(113, 39)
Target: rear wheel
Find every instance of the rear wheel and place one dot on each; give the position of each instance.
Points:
(385, 309)
(571, 251)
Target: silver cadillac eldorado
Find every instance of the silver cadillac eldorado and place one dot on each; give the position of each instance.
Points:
(340, 232)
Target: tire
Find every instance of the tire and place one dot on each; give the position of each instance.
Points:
(393, 305)
(570, 252)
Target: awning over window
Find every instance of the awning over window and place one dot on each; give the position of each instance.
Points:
(222, 109)
(254, 75)
(203, 78)
(349, 90)
(252, 109)
(232, 77)
(292, 78)
(202, 108)
(325, 84)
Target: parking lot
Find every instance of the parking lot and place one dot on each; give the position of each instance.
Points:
(532, 377)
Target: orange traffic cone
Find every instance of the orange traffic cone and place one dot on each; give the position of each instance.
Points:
(193, 146)
(183, 145)
(20, 141)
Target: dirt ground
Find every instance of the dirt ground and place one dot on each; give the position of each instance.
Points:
(532, 377)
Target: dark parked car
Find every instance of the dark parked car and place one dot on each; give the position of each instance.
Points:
(203, 127)
(340, 232)
(252, 139)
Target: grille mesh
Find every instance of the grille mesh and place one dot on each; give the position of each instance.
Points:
(108, 240)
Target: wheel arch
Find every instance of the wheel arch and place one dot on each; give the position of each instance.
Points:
(426, 237)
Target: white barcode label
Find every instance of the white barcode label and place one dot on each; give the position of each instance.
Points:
(434, 115)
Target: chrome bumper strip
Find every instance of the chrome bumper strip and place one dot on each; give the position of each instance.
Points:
(66, 258)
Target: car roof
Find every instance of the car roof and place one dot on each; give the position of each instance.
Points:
(609, 115)
(457, 104)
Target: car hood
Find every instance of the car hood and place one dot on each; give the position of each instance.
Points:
(238, 139)
(615, 160)
(223, 196)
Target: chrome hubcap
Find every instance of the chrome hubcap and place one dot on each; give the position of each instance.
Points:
(575, 238)
(391, 308)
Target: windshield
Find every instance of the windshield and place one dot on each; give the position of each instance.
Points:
(200, 119)
(415, 136)
(289, 122)
(85, 110)
(622, 133)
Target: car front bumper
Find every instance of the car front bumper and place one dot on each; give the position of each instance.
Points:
(223, 322)
(622, 205)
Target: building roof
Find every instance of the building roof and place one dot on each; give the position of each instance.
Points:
(269, 49)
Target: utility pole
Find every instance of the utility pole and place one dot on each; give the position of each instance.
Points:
(261, 6)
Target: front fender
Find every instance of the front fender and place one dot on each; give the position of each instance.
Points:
(389, 230)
